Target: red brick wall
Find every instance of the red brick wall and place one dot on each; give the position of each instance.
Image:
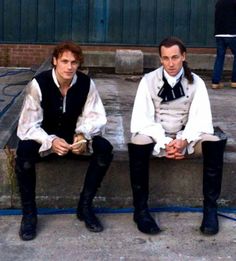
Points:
(28, 55)
(23, 55)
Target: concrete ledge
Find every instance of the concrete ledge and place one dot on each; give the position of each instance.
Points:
(129, 62)
(107, 59)
(95, 59)
(172, 183)
(8, 122)
(206, 61)
(99, 59)
(8, 190)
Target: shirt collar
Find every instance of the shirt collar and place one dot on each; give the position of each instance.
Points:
(56, 81)
(172, 80)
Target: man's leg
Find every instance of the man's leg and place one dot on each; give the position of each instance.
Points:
(100, 162)
(232, 46)
(140, 151)
(219, 62)
(213, 152)
(27, 154)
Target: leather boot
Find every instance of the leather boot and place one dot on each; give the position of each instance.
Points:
(85, 213)
(213, 152)
(26, 177)
(96, 171)
(28, 226)
(139, 156)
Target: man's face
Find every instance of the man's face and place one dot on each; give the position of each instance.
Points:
(172, 59)
(66, 66)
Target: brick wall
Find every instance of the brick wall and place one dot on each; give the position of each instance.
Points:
(23, 55)
(28, 55)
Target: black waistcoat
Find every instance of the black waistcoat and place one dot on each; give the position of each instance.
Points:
(54, 120)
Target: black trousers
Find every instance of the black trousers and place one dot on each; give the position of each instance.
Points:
(28, 150)
(27, 156)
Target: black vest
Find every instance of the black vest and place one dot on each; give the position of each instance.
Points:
(54, 120)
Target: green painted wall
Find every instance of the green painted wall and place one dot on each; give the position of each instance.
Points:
(110, 22)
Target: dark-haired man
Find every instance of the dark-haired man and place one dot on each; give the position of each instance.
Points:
(62, 115)
(172, 118)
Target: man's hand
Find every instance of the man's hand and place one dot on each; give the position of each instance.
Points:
(60, 146)
(174, 150)
(79, 145)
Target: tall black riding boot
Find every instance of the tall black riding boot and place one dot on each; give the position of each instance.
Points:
(139, 156)
(26, 177)
(96, 171)
(213, 152)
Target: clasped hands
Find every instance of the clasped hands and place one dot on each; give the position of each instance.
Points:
(61, 147)
(174, 150)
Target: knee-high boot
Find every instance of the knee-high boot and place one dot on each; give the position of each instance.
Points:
(26, 177)
(139, 156)
(213, 152)
(96, 171)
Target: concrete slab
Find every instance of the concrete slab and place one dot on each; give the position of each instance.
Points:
(12, 83)
(129, 62)
(63, 237)
(106, 60)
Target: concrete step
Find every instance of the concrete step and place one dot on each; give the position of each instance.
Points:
(172, 183)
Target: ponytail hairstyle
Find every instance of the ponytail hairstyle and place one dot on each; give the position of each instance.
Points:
(169, 42)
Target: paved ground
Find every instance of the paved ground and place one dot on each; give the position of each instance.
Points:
(12, 82)
(63, 237)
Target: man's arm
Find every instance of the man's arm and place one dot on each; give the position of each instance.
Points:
(143, 117)
(200, 117)
(93, 119)
(31, 117)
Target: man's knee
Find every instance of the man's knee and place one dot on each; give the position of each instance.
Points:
(204, 138)
(140, 139)
(28, 150)
(102, 151)
(209, 137)
(101, 145)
